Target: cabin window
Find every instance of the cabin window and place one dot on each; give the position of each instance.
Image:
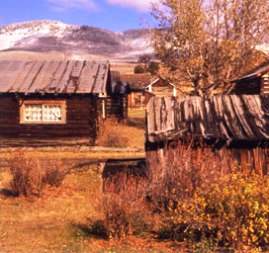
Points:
(43, 112)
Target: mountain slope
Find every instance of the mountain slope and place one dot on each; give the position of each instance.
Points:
(45, 36)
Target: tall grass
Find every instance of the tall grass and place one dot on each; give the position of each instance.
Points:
(111, 134)
(31, 175)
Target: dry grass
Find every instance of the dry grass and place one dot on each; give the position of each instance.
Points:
(46, 224)
(31, 175)
(54, 222)
(137, 118)
(115, 134)
(71, 153)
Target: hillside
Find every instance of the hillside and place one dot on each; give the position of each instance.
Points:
(54, 36)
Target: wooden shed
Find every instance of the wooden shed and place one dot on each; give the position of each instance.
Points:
(137, 83)
(255, 82)
(53, 102)
(221, 133)
(160, 87)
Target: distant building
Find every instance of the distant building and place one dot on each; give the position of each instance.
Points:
(160, 87)
(137, 83)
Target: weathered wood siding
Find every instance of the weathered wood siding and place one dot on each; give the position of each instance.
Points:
(222, 133)
(136, 100)
(162, 89)
(81, 119)
(207, 158)
(231, 118)
(117, 106)
(265, 84)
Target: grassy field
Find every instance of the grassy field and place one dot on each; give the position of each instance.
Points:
(58, 221)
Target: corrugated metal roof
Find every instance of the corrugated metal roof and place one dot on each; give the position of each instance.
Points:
(233, 117)
(53, 77)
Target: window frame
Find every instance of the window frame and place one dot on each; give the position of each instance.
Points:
(61, 103)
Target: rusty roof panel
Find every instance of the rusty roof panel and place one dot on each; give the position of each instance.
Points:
(53, 77)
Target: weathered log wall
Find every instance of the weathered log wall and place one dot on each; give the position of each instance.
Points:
(265, 84)
(117, 106)
(81, 119)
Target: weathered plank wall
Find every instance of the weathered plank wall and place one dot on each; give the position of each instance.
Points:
(81, 119)
(117, 106)
(162, 89)
(265, 84)
(221, 133)
(201, 161)
(219, 117)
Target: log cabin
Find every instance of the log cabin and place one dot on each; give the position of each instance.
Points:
(254, 82)
(52, 102)
(220, 134)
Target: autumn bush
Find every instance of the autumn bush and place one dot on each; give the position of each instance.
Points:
(31, 175)
(124, 208)
(233, 211)
(199, 203)
(111, 134)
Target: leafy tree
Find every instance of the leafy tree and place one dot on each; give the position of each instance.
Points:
(138, 69)
(207, 43)
(153, 67)
(147, 64)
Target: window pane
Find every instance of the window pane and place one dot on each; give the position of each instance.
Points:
(52, 113)
(43, 113)
(33, 112)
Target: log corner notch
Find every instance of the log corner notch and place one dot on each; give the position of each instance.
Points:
(233, 130)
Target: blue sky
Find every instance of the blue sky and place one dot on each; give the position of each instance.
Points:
(116, 15)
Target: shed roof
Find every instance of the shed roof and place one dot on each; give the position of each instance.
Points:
(228, 117)
(136, 81)
(53, 77)
(158, 79)
(261, 70)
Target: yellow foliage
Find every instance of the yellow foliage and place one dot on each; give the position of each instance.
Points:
(234, 210)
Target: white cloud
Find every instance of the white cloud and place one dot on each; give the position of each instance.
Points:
(141, 5)
(63, 5)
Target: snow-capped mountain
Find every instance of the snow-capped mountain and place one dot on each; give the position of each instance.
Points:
(43, 36)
